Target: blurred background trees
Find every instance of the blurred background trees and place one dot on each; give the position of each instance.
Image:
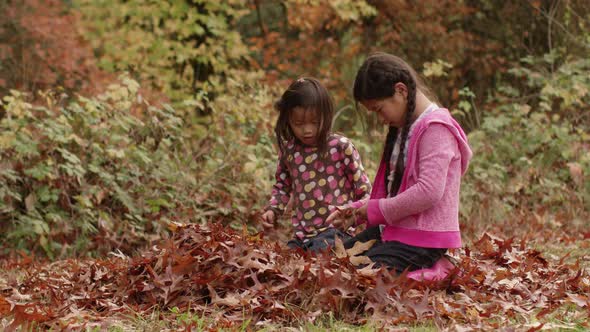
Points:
(121, 117)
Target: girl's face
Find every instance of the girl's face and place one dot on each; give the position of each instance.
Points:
(391, 110)
(305, 124)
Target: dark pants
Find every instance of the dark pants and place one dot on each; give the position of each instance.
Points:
(395, 255)
(320, 241)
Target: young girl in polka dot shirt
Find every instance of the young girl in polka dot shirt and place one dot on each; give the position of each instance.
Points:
(318, 169)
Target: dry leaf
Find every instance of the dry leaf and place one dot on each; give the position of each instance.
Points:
(4, 307)
(499, 279)
(360, 260)
(360, 247)
(577, 173)
(339, 250)
(30, 202)
(231, 300)
(580, 300)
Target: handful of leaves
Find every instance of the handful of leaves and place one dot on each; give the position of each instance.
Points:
(347, 216)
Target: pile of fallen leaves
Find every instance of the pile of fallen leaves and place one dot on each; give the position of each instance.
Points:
(231, 277)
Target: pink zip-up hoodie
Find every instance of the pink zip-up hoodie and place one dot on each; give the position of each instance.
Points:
(425, 212)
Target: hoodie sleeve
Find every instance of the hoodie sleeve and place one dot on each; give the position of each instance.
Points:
(436, 149)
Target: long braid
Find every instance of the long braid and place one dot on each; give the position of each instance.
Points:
(388, 150)
(367, 83)
(375, 80)
(400, 166)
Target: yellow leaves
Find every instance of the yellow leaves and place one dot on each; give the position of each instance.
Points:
(124, 94)
(114, 153)
(238, 48)
(339, 249)
(472, 313)
(360, 247)
(569, 85)
(436, 68)
(15, 105)
(353, 253)
(174, 47)
(131, 85)
(254, 166)
(84, 201)
(249, 167)
(352, 10)
(77, 139)
(360, 260)
(6, 140)
(175, 226)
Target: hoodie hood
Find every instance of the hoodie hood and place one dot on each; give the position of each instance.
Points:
(443, 116)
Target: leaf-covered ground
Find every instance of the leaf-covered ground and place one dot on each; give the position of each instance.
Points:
(236, 279)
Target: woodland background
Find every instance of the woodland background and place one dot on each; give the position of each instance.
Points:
(125, 124)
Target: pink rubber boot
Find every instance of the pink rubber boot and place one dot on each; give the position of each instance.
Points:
(438, 271)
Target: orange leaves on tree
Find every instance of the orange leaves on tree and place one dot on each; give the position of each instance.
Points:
(40, 48)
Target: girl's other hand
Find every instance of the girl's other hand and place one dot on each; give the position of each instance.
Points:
(334, 218)
(268, 219)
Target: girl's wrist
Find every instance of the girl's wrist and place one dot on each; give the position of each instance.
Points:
(374, 216)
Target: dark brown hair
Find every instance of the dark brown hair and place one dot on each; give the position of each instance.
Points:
(375, 80)
(310, 94)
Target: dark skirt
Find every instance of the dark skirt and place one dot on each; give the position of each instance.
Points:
(321, 241)
(396, 255)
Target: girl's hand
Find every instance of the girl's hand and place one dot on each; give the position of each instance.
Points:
(342, 218)
(346, 217)
(268, 219)
(362, 212)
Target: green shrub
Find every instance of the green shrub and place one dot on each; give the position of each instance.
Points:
(87, 170)
(174, 47)
(530, 152)
(237, 172)
(113, 172)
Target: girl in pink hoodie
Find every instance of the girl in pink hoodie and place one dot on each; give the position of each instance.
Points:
(414, 205)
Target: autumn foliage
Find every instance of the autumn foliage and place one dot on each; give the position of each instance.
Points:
(228, 276)
(114, 204)
(41, 47)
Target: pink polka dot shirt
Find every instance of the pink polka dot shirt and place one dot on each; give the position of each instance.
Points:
(317, 183)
